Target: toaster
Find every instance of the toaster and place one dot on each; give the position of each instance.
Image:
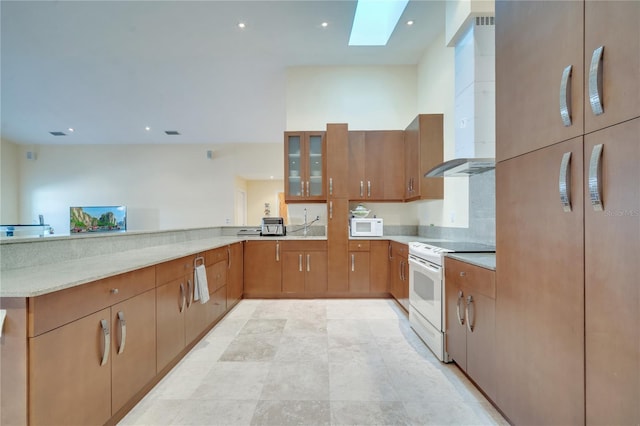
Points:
(273, 226)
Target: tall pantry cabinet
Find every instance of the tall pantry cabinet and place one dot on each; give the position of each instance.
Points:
(568, 211)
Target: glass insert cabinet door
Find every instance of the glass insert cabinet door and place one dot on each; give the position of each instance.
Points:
(315, 159)
(294, 165)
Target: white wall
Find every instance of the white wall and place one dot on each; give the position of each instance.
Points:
(459, 13)
(9, 183)
(436, 94)
(163, 186)
(260, 192)
(367, 98)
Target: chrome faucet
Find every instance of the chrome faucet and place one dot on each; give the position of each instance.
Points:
(306, 225)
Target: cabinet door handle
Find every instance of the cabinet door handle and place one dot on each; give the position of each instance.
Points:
(278, 251)
(123, 332)
(228, 257)
(330, 209)
(565, 182)
(361, 189)
(353, 262)
(299, 263)
(595, 178)
(308, 262)
(390, 251)
(460, 299)
(190, 290)
(183, 297)
(595, 81)
(402, 270)
(307, 188)
(106, 341)
(330, 186)
(368, 188)
(302, 188)
(470, 323)
(565, 96)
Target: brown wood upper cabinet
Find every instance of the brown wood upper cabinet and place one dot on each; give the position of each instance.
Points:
(376, 165)
(305, 166)
(558, 62)
(423, 150)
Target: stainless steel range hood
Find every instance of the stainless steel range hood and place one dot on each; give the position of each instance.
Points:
(462, 167)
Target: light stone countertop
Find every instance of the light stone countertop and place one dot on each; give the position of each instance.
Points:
(38, 280)
(483, 260)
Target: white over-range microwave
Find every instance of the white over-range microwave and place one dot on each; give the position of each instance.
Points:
(366, 227)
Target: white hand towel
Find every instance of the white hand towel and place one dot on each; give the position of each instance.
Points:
(201, 291)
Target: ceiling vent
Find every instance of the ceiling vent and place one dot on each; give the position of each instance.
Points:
(58, 133)
(172, 132)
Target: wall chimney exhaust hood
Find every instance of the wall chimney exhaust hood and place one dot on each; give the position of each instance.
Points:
(462, 167)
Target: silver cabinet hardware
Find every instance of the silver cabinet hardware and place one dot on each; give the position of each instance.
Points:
(183, 297)
(299, 263)
(390, 252)
(595, 81)
(361, 189)
(460, 299)
(463, 273)
(565, 96)
(302, 188)
(595, 178)
(123, 332)
(115, 291)
(228, 257)
(353, 262)
(277, 251)
(190, 290)
(330, 186)
(106, 341)
(307, 188)
(565, 182)
(308, 262)
(330, 209)
(470, 322)
(368, 188)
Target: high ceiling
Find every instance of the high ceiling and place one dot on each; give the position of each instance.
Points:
(110, 68)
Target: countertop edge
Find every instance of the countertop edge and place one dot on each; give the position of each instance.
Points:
(483, 260)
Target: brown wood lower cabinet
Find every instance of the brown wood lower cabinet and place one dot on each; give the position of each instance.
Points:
(235, 275)
(263, 268)
(304, 267)
(470, 323)
(359, 266)
(399, 273)
(70, 375)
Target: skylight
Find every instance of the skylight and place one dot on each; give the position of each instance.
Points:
(374, 21)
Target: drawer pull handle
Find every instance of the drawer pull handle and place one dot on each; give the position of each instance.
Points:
(123, 332)
(565, 182)
(565, 96)
(115, 291)
(595, 178)
(470, 323)
(460, 317)
(190, 290)
(595, 81)
(183, 297)
(106, 341)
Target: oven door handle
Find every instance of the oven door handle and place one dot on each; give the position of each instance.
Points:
(424, 265)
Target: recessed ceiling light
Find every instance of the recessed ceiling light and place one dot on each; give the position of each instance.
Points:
(241, 25)
(409, 22)
(71, 129)
(147, 128)
(324, 24)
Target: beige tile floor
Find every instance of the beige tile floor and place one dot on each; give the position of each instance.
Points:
(313, 362)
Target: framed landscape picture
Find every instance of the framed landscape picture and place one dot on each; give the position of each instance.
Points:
(97, 219)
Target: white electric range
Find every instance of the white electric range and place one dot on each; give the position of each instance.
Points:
(426, 289)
